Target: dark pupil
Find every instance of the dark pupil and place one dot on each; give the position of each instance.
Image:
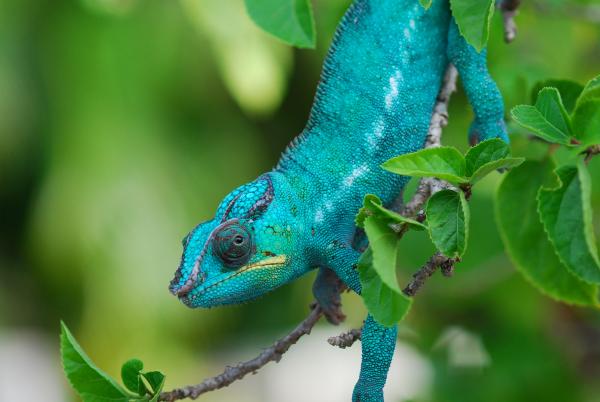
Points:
(233, 245)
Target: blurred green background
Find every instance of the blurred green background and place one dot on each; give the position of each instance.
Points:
(124, 122)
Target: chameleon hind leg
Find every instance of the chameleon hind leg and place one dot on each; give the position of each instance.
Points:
(481, 89)
(378, 342)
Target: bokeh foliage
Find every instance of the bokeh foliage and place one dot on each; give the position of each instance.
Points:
(124, 122)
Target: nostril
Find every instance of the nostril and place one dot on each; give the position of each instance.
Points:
(195, 279)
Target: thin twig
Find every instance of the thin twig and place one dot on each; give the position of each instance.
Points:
(427, 270)
(591, 152)
(438, 260)
(509, 10)
(237, 372)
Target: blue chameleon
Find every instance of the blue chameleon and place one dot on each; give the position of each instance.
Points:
(374, 101)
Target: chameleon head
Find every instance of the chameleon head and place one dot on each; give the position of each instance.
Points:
(246, 251)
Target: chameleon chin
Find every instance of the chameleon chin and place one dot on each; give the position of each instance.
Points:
(374, 101)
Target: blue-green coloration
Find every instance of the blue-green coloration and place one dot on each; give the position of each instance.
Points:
(375, 99)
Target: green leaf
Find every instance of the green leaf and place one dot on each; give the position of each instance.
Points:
(532, 119)
(445, 163)
(387, 305)
(550, 105)
(372, 207)
(289, 20)
(485, 152)
(383, 242)
(130, 374)
(526, 241)
(487, 157)
(591, 91)
(91, 383)
(506, 163)
(569, 91)
(448, 217)
(586, 122)
(156, 380)
(426, 3)
(566, 214)
(473, 19)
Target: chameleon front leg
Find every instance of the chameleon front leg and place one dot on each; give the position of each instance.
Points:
(481, 89)
(378, 341)
(327, 289)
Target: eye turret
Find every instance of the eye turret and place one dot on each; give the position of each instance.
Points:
(233, 245)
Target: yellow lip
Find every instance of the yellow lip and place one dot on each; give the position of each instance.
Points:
(267, 262)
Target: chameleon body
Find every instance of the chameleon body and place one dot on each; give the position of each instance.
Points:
(375, 99)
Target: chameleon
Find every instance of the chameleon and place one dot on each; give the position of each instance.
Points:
(374, 101)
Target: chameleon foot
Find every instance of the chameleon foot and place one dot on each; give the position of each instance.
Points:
(327, 289)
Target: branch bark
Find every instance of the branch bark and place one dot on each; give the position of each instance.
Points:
(237, 372)
(509, 10)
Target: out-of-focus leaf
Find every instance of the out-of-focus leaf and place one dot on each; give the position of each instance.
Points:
(569, 91)
(526, 241)
(445, 163)
(448, 217)
(566, 213)
(387, 305)
(473, 19)
(372, 206)
(586, 122)
(425, 3)
(289, 20)
(591, 91)
(254, 67)
(130, 374)
(91, 383)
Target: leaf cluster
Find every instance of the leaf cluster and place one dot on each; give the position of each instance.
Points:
(564, 112)
(446, 218)
(544, 211)
(94, 385)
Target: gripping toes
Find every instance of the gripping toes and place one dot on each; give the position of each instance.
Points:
(327, 289)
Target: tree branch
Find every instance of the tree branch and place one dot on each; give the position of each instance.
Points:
(346, 339)
(427, 270)
(509, 10)
(439, 119)
(237, 372)
(591, 152)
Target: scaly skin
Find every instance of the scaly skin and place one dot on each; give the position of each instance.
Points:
(375, 99)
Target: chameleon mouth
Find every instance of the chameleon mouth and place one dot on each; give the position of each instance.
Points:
(275, 261)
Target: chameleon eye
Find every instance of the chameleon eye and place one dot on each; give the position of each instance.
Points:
(233, 245)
